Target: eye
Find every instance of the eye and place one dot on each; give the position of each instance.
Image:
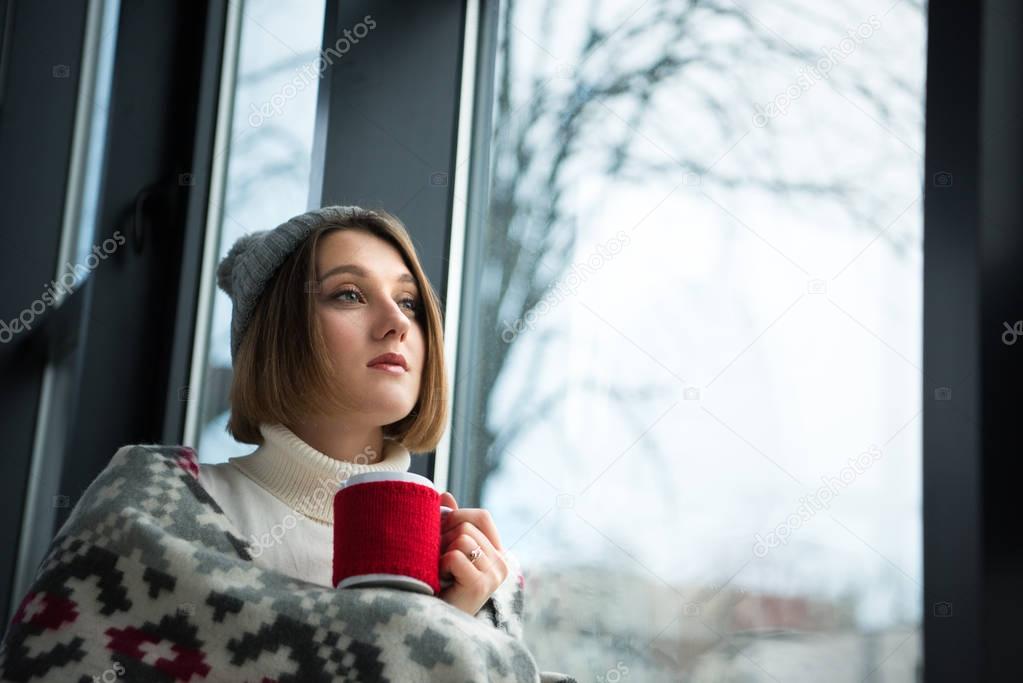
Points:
(344, 292)
(413, 305)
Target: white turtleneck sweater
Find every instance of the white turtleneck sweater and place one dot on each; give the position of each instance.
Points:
(280, 497)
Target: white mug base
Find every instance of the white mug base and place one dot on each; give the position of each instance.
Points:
(386, 580)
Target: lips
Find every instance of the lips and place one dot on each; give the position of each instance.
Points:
(390, 359)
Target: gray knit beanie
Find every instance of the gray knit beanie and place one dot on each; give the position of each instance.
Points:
(254, 258)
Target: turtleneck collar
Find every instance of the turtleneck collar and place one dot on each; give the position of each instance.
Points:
(302, 477)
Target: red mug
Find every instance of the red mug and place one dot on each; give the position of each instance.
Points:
(387, 528)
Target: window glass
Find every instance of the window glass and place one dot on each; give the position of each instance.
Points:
(697, 395)
(268, 170)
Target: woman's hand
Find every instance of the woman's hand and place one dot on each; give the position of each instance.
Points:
(462, 531)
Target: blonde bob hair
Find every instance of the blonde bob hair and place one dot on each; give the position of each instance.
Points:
(283, 371)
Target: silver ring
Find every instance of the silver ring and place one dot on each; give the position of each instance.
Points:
(475, 554)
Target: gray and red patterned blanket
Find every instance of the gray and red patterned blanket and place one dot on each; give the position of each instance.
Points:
(148, 580)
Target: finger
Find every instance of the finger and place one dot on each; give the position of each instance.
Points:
(447, 499)
(470, 530)
(456, 565)
(466, 544)
(495, 558)
(478, 517)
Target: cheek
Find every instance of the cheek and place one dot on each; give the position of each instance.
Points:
(340, 332)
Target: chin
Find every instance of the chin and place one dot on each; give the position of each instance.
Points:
(387, 412)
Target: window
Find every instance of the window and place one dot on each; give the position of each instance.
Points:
(699, 366)
(268, 170)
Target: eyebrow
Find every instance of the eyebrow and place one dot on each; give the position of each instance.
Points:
(361, 272)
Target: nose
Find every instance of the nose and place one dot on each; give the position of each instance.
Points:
(395, 320)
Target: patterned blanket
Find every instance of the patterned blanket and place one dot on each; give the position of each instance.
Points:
(148, 580)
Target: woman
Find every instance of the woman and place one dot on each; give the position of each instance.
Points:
(315, 303)
(168, 569)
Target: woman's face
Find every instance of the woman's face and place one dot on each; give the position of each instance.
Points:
(369, 305)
